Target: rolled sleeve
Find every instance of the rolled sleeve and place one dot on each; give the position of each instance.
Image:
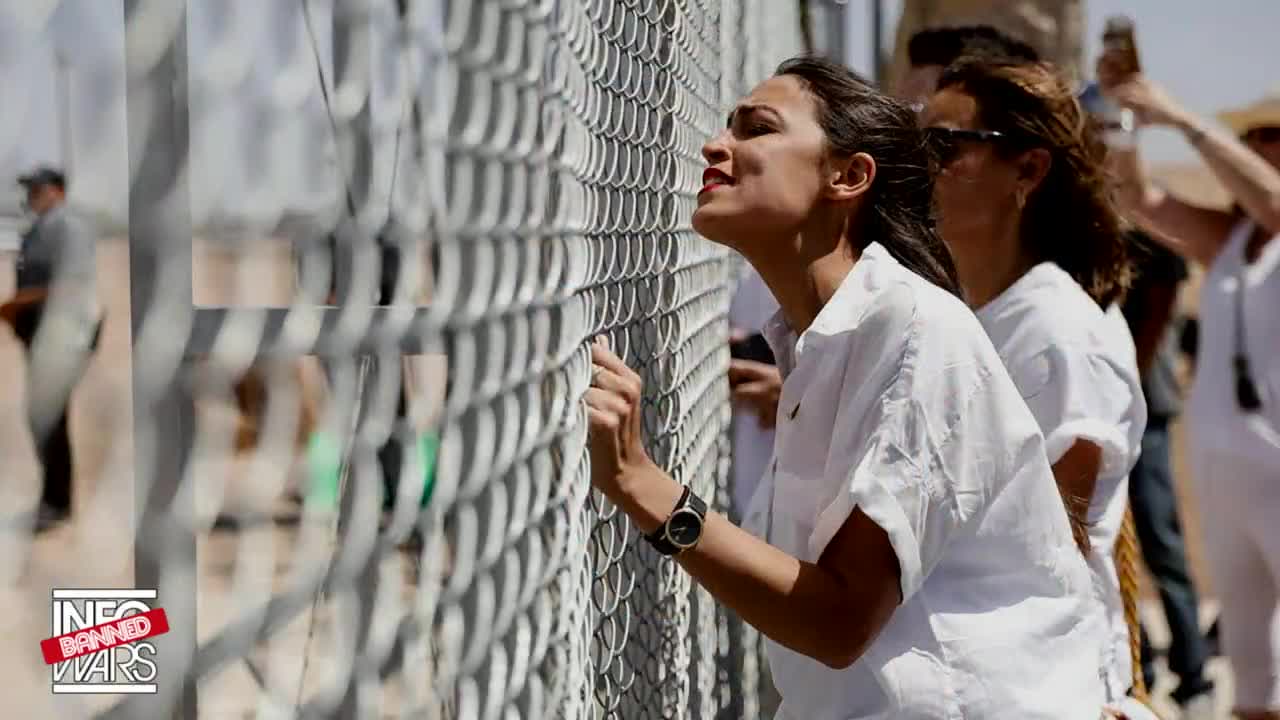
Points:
(1107, 436)
(885, 494)
(1087, 397)
(924, 476)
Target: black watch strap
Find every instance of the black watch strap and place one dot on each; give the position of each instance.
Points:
(688, 503)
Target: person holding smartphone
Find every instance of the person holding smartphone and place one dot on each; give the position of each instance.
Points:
(1233, 410)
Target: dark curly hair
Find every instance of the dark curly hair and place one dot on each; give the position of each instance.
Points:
(855, 117)
(1071, 218)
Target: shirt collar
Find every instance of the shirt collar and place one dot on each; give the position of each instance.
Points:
(1043, 273)
(840, 313)
(781, 340)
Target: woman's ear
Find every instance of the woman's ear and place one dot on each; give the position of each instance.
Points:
(851, 177)
(1033, 168)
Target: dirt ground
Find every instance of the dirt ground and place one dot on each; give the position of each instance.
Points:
(95, 550)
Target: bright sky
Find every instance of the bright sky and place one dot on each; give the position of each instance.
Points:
(1209, 54)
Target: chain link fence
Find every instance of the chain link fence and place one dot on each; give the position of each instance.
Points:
(368, 243)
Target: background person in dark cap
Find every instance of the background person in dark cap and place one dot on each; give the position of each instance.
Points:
(55, 314)
(931, 50)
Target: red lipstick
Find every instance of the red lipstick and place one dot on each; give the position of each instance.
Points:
(713, 178)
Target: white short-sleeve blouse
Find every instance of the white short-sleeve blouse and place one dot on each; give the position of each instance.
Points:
(895, 402)
(1076, 367)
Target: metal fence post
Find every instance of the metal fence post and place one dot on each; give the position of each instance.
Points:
(353, 65)
(160, 298)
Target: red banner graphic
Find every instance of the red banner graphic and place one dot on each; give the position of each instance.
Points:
(102, 637)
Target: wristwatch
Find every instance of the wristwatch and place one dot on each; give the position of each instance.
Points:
(683, 527)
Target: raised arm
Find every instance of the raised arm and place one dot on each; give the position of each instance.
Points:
(1195, 232)
(1251, 180)
(831, 610)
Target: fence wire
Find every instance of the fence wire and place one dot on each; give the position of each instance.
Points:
(368, 244)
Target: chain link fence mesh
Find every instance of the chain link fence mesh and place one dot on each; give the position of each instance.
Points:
(363, 492)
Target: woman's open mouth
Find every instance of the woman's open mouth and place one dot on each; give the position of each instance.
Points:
(713, 178)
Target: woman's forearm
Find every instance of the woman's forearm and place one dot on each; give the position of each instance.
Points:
(1140, 199)
(800, 605)
(1250, 179)
(1192, 232)
(1197, 233)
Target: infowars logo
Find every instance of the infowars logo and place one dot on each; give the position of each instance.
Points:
(99, 641)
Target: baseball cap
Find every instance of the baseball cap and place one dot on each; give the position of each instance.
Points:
(43, 176)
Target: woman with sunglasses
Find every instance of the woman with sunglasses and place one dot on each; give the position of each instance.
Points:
(1024, 207)
(907, 554)
(1233, 411)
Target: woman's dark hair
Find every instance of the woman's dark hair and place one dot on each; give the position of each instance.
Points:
(945, 45)
(899, 214)
(1070, 218)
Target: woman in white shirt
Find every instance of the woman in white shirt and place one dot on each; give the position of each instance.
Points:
(1024, 207)
(1233, 412)
(908, 555)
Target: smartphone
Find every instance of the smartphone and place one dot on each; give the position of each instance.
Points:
(1119, 40)
(754, 347)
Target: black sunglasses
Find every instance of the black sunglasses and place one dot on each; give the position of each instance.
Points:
(945, 142)
(1266, 135)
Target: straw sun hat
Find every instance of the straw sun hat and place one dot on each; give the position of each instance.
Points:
(1261, 113)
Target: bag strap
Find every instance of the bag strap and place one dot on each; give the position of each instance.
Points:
(1127, 556)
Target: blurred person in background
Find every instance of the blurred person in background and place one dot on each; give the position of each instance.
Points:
(1233, 411)
(930, 51)
(755, 382)
(55, 314)
(1053, 27)
(907, 553)
(1149, 310)
(1024, 206)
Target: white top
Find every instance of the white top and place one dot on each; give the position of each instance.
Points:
(895, 402)
(1077, 369)
(1213, 417)
(750, 309)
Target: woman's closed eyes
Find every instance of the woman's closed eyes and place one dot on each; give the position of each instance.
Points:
(750, 121)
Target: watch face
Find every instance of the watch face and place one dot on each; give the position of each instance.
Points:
(684, 528)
